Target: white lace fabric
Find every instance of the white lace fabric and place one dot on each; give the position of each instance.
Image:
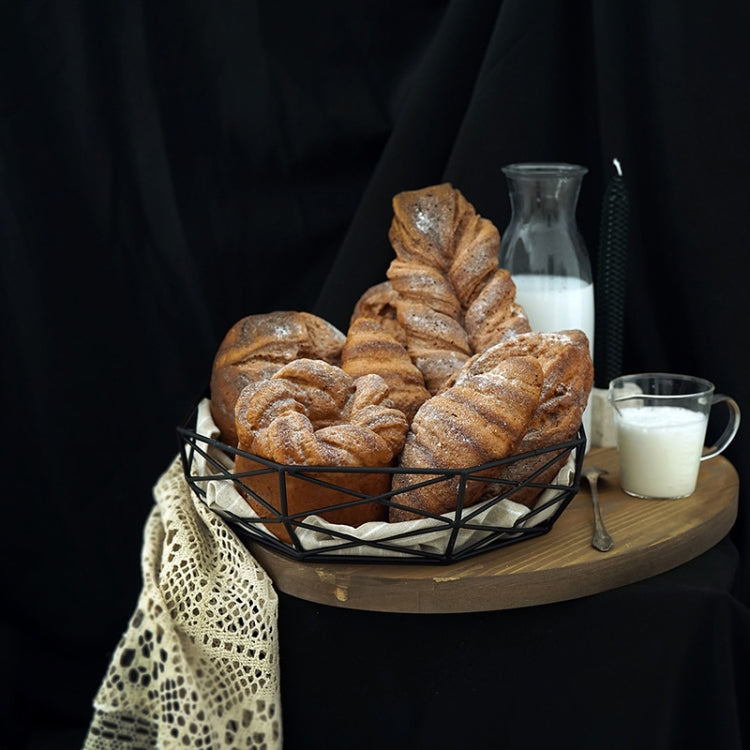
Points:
(198, 664)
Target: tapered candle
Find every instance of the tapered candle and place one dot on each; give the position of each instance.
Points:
(611, 280)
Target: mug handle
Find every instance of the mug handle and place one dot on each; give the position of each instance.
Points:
(729, 431)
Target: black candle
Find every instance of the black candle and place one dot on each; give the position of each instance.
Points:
(611, 280)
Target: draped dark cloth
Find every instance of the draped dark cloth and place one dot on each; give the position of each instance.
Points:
(170, 167)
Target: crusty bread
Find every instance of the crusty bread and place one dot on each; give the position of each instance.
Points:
(494, 315)
(450, 297)
(479, 420)
(311, 413)
(378, 302)
(256, 347)
(437, 343)
(371, 348)
(568, 378)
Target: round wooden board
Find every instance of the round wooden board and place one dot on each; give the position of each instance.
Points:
(651, 536)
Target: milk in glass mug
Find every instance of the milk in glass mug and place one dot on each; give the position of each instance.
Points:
(660, 425)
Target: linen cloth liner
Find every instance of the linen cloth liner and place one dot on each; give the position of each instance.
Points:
(433, 536)
(198, 664)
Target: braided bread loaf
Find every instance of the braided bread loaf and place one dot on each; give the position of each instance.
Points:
(256, 347)
(452, 300)
(568, 374)
(481, 419)
(311, 413)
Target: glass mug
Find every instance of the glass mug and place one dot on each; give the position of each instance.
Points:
(660, 426)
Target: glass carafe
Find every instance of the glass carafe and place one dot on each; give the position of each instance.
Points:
(545, 252)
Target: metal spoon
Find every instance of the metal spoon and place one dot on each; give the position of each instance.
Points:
(601, 539)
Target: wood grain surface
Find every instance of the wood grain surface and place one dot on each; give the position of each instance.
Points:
(651, 536)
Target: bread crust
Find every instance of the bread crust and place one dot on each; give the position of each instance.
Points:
(479, 420)
(311, 413)
(568, 370)
(378, 302)
(256, 347)
(371, 348)
(451, 298)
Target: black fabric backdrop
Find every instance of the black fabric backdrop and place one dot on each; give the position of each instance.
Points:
(170, 167)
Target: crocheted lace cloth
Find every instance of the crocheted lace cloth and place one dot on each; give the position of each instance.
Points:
(198, 664)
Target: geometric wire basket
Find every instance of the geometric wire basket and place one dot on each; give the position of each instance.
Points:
(496, 521)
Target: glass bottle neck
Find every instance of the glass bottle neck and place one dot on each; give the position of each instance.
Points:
(542, 236)
(545, 194)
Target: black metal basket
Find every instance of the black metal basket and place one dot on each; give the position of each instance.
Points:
(436, 539)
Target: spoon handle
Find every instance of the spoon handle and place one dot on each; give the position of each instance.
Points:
(601, 539)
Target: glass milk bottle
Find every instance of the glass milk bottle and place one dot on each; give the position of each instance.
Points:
(545, 253)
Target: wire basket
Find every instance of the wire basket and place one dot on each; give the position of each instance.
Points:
(496, 521)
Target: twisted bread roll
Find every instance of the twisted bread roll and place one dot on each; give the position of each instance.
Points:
(568, 373)
(480, 420)
(256, 347)
(452, 300)
(311, 413)
(370, 348)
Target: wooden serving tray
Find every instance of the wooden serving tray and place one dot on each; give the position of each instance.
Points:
(651, 536)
